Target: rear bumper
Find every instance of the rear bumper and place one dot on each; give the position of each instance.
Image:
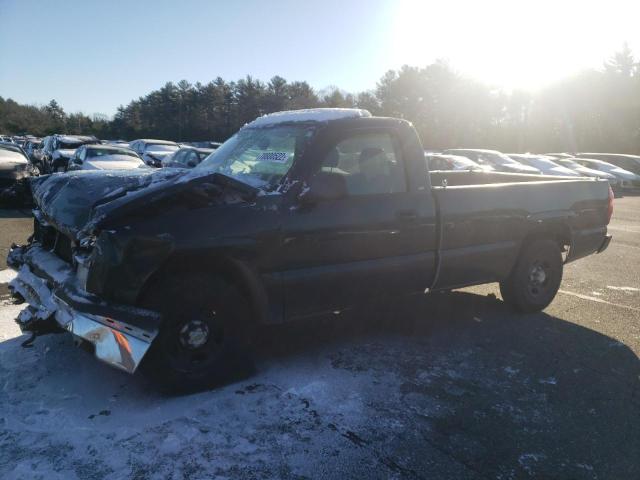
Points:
(120, 335)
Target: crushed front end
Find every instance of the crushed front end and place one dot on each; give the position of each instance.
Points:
(52, 272)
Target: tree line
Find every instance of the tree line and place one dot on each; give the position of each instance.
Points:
(596, 110)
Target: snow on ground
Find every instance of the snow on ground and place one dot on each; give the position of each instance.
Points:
(7, 275)
(462, 399)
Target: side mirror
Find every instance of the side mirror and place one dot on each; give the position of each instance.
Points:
(191, 163)
(324, 186)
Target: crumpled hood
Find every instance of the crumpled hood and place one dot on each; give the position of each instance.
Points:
(80, 201)
(68, 200)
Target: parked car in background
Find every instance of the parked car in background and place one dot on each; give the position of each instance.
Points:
(31, 147)
(58, 149)
(442, 162)
(588, 172)
(186, 157)
(5, 139)
(544, 164)
(19, 140)
(153, 151)
(105, 157)
(626, 178)
(627, 162)
(15, 169)
(494, 159)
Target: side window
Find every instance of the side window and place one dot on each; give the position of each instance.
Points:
(177, 157)
(191, 159)
(370, 163)
(82, 154)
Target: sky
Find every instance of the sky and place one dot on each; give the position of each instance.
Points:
(92, 56)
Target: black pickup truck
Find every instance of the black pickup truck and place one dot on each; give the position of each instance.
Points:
(300, 213)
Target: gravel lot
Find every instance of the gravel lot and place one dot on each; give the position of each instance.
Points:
(450, 386)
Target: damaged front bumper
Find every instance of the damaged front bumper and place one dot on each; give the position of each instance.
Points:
(119, 335)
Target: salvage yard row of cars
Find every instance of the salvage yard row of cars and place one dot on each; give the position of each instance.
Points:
(173, 271)
(620, 170)
(56, 153)
(60, 153)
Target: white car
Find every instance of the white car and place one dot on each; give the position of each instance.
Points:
(586, 171)
(153, 152)
(105, 157)
(437, 161)
(627, 179)
(496, 160)
(545, 164)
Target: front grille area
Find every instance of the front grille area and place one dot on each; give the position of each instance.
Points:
(53, 240)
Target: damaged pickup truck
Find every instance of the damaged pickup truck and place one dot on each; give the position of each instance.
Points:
(300, 213)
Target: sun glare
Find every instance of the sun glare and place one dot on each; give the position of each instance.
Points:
(513, 44)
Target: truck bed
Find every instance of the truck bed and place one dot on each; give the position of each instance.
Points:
(485, 218)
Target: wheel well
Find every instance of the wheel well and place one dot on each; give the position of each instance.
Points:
(231, 271)
(558, 232)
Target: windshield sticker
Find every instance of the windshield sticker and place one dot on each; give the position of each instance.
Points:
(276, 157)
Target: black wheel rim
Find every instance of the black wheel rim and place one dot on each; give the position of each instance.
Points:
(538, 278)
(196, 342)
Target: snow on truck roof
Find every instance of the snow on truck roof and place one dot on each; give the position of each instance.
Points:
(308, 115)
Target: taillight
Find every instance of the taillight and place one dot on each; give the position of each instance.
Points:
(610, 205)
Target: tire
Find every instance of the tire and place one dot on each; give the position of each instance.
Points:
(536, 277)
(205, 337)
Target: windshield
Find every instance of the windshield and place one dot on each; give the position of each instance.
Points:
(463, 162)
(569, 163)
(538, 162)
(259, 156)
(160, 147)
(495, 158)
(110, 153)
(598, 165)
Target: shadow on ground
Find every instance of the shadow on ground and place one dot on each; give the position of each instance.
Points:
(15, 213)
(454, 386)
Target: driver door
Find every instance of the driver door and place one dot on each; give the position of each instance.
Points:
(377, 241)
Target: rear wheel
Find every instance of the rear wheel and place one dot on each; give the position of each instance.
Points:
(536, 278)
(204, 338)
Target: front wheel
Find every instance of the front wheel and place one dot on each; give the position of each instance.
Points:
(204, 338)
(536, 277)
